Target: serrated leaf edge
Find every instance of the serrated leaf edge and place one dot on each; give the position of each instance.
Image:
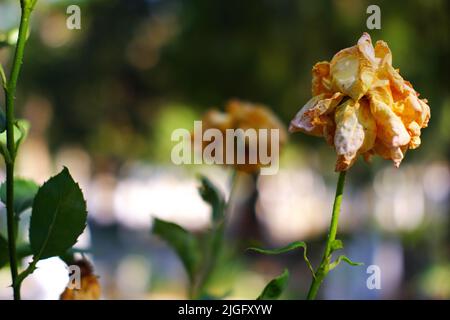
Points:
(65, 170)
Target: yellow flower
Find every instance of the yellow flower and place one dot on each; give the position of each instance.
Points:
(244, 115)
(89, 286)
(362, 106)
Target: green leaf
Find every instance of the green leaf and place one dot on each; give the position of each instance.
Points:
(8, 38)
(4, 254)
(345, 259)
(21, 128)
(214, 197)
(58, 217)
(24, 250)
(275, 287)
(292, 246)
(182, 241)
(336, 245)
(68, 257)
(24, 193)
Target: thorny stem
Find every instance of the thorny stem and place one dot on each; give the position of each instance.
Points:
(10, 92)
(323, 269)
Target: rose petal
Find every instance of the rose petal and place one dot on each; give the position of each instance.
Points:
(396, 154)
(426, 114)
(321, 82)
(366, 48)
(353, 69)
(391, 130)
(312, 118)
(349, 136)
(383, 53)
(368, 123)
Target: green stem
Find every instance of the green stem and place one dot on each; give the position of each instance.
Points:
(215, 245)
(323, 269)
(213, 252)
(10, 93)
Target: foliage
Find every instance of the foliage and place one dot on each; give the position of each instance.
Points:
(59, 213)
(25, 191)
(182, 241)
(198, 260)
(275, 287)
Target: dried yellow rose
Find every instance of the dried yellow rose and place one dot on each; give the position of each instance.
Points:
(362, 106)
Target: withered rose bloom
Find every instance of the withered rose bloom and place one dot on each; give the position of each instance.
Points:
(244, 115)
(362, 106)
(89, 286)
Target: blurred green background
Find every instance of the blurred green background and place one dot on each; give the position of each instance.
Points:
(104, 100)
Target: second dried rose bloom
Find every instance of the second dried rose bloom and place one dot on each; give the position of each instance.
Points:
(362, 106)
